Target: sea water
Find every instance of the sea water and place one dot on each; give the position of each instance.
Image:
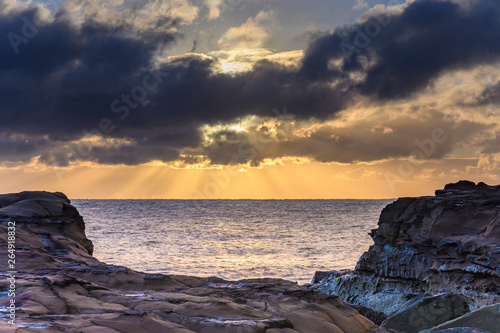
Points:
(231, 239)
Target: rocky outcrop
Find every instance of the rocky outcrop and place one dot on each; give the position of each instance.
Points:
(449, 242)
(60, 287)
(422, 313)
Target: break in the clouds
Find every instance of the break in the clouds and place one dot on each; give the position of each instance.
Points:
(94, 82)
(250, 34)
(340, 140)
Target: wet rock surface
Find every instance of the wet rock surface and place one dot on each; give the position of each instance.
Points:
(60, 287)
(447, 243)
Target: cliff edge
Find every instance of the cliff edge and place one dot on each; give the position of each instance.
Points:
(447, 243)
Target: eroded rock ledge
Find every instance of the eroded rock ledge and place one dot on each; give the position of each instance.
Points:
(60, 287)
(449, 242)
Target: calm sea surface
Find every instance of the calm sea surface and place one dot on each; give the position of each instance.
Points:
(231, 239)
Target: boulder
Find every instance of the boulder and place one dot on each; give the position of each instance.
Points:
(486, 319)
(38, 208)
(426, 312)
(10, 198)
(462, 185)
(320, 275)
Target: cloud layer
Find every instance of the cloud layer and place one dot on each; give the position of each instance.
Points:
(99, 90)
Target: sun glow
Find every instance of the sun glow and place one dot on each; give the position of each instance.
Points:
(242, 60)
(238, 128)
(234, 67)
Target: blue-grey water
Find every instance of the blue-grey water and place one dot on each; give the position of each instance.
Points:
(231, 239)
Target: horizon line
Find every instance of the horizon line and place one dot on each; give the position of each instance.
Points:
(235, 199)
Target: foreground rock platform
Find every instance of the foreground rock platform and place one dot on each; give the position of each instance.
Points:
(429, 245)
(60, 287)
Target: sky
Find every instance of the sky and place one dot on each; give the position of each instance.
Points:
(233, 99)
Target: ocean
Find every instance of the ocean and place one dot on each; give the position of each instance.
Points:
(231, 239)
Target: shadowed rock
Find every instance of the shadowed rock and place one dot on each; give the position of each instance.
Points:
(11, 198)
(426, 312)
(486, 319)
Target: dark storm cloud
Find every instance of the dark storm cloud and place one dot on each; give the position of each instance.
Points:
(194, 92)
(20, 148)
(128, 154)
(410, 49)
(65, 80)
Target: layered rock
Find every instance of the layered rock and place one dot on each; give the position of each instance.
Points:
(61, 287)
(449, 242)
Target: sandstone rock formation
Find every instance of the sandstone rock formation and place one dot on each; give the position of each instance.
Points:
(449, 242)
(60, 287)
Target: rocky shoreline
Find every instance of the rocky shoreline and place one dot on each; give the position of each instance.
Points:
(447, 243)
(434, 260)
(60, 287)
